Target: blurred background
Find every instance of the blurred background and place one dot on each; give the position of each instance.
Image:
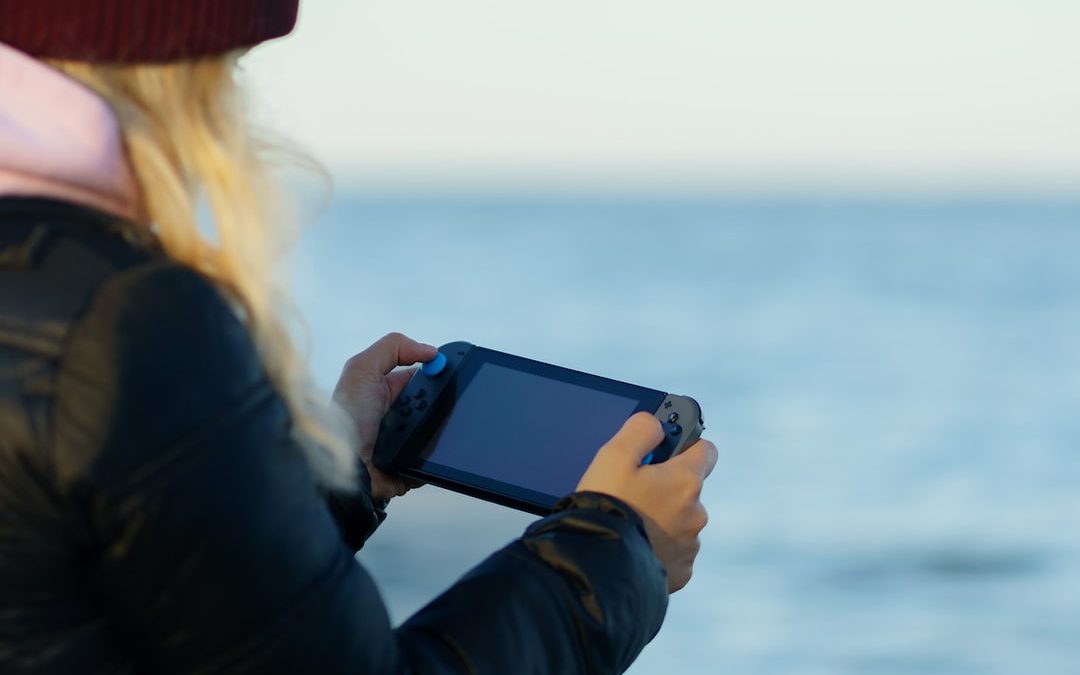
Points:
(850, 229)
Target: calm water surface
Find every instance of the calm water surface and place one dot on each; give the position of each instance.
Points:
(894, 388)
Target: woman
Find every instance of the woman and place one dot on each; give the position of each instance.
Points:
(174, 495)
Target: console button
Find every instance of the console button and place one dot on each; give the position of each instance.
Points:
(673, 417)
(405, 412)
(675, 430)
(404, 400)
(648, 459)
(420, 405)
(434, 366)
(420, 393)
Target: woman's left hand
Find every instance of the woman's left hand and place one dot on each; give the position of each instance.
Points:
(367, 388)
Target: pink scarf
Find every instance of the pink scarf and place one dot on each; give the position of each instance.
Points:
(59, 139)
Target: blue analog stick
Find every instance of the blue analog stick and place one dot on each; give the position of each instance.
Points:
(434, 366)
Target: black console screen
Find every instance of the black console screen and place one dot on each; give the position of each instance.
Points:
(527, 430)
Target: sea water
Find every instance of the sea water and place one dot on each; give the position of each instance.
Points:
(894, 388)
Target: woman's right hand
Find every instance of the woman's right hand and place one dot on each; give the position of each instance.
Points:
(667, 496)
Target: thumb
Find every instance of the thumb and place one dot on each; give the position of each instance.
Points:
(395, 350)
(638, 437)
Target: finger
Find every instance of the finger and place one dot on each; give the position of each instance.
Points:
(397, 380)
(700, 457)
(394, 350)
(638, 437)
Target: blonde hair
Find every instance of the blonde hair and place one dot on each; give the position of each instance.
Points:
(188, 139)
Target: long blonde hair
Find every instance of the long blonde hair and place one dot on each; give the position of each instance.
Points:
(189, 143)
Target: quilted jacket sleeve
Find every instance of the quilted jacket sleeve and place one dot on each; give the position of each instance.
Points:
(357, 513)
(214, 551)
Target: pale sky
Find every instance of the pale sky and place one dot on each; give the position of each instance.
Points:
(761, 94)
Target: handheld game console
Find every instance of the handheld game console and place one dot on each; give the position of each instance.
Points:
(515, 431)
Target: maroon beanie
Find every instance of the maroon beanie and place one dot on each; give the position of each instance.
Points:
(131, 31)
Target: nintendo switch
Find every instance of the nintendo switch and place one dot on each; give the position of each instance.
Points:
(516, 431)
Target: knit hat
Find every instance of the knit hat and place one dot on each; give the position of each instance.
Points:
(131, 31)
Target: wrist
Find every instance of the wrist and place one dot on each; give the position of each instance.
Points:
(588, 499)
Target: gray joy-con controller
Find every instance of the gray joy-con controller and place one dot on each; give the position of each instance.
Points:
(683, 424)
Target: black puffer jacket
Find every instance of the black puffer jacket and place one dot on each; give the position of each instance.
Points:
(156, 515)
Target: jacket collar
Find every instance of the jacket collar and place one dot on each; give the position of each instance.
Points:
(58, 139)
